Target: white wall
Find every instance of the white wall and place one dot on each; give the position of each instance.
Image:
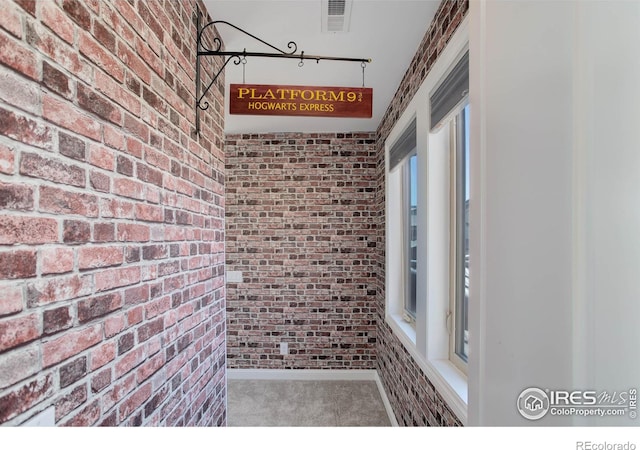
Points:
(610, 157)
(555, 215)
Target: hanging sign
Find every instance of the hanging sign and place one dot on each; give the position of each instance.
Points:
(317, 101)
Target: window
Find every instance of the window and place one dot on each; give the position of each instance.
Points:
(459, 335)
(403, 160)
(450, 110)
(427, 225)
(410, 229)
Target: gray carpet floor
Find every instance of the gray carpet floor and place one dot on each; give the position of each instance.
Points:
(267, 403)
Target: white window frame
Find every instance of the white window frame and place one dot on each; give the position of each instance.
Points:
(455, 152)
(427, 340)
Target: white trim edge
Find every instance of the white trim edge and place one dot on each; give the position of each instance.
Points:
(301, 374)
(385, 400)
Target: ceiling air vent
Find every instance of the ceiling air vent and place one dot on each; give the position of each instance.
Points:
(336, 16)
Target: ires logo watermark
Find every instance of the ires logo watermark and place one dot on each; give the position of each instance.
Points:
(534, 403)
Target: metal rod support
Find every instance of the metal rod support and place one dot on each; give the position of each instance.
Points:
(281, 55)
(198, 87)
(239, 56)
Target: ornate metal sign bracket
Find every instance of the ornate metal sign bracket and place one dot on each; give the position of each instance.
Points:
(240, 56)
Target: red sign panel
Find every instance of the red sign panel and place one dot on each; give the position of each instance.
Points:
(318, 101)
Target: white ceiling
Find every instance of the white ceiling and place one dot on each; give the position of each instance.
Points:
(387, 31)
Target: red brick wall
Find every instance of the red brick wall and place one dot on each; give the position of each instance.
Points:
(112, 301)
(301, 227)
(413, 398)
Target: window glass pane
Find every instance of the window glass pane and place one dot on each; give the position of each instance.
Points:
(411, 241)
(462, 253)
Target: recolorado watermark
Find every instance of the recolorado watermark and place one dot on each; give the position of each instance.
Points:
(588, 445)
(535, 403)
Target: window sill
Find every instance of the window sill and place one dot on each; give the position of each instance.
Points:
(447, 379)
(403, 329)
(452, 385)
